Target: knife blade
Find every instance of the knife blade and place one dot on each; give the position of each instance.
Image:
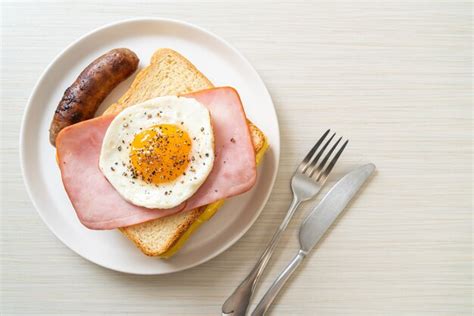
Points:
(315, 226)
(334, 202)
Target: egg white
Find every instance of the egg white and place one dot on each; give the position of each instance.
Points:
(189, 115)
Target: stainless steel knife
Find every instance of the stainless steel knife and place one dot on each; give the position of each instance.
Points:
(316, 224)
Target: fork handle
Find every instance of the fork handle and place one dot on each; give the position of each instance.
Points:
(273, 291)
(238, 302)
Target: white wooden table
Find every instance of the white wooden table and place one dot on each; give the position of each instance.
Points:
(394, 76)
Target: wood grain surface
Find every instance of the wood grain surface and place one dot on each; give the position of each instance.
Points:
(393, 76)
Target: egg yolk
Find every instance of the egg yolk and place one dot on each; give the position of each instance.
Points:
(160, 154)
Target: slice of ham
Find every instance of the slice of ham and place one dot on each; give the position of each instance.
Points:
(99, 206)
(234, 168)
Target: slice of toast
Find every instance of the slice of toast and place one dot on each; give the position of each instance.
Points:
(169, 73)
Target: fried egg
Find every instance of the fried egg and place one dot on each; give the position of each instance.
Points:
(158, 153)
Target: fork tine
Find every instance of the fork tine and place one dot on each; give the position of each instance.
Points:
(304, 164)
(312, 164)
(319, 168)
(331, 165)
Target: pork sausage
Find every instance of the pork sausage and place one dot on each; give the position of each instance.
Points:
(82, 99)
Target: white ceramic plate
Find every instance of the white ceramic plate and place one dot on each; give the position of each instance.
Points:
(222, 64)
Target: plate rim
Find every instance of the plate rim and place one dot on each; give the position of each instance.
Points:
(27, 113)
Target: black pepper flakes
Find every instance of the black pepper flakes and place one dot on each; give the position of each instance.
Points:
(119, 148)
(112, 168)
(232, 140)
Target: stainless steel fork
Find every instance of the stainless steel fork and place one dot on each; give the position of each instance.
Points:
(306, 182)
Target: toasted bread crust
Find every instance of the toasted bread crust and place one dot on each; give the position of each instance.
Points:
(189, 79)
(161, 61)
(131, 233)
(258, 138)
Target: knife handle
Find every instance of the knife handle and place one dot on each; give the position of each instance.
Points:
(273, 291)
(237, 303)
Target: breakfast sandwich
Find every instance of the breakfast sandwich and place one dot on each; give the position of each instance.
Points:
(161, 160)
